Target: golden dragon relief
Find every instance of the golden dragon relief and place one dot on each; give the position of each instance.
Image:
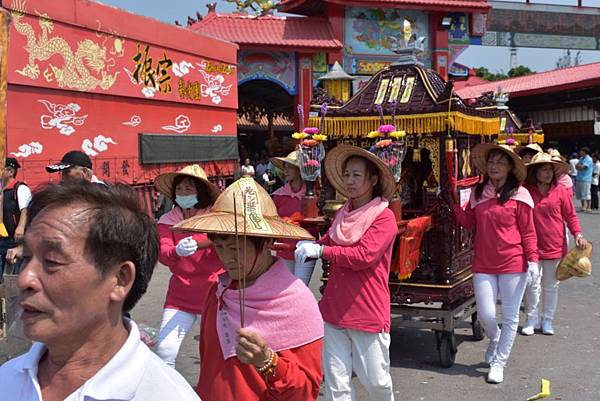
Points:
(81, 68)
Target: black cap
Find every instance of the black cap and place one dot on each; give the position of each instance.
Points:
(70, 159)
(12, 162)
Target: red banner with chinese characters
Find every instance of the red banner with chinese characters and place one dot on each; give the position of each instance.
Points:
(52, 54)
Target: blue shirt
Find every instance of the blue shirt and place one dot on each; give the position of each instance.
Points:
(585, 175)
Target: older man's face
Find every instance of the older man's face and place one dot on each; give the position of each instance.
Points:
(63, 295)
(75, 173)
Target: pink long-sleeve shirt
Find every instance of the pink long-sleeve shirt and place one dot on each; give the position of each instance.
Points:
(505, 237)
(550, 213)
(357, 295)
(287, 206)
(192, 275)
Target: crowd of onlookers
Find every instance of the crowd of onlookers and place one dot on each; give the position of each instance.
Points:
(584, 170)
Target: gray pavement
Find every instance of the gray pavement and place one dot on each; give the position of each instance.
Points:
(570, 359)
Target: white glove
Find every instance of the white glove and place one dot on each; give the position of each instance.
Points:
(533, 272)
(186, 247)
(307, 250)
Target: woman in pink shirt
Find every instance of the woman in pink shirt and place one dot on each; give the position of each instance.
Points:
(356, 302)
(501, 212)
(553, 207)
(288, 200)
(192, 259)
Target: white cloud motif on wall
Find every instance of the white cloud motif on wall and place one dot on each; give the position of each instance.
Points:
(28, 149)
(217, 128)
(63, 117)
(99, 145)
(182, 124)
(183, 68)
(134, 121)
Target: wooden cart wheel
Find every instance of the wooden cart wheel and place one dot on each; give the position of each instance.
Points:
(446, 348)
(478, 332)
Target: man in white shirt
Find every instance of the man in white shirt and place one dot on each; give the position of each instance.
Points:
(89, 253)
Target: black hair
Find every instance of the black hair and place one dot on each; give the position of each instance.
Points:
(118, 230)
(204, 199)
(528, 151)
(372, 170)
(510, 186)
(532, 174)
(586, 150)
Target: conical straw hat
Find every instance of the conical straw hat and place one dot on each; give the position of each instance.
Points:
(261, 215)
(559, 167)
(479, 156)
(292, 159)
(164, 182)
(334, 167)
(532, 146)
(576, 263)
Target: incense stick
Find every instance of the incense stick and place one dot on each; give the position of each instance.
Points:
(242, 314)
(237, 249)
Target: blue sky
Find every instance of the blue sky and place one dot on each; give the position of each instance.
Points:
(493, 58)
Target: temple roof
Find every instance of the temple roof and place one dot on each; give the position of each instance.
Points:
(543, 82)
(285, 33)
(311, 7)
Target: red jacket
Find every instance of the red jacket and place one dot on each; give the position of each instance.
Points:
(297, 376)
(192, 275)
(550, 213)
(357, 295)
(505, 238)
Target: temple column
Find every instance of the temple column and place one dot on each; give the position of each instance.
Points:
(440, 53)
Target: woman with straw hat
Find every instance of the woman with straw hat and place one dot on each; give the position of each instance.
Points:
(191, 258)
(501, 212)
(528, 151)
(356, 302)
(563, 179)
(553, 207)
(288, 200)
(261, 332)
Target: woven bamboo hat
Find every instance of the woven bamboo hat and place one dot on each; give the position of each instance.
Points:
(334, 167)
(576, 263)
(479, 156)
(556, 156)
(261, 216)
(559, 167)
(532, 146)
(164, 182)
(292, 159)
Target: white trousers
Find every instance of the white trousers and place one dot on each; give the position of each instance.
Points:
(511, 288)
(174, 326)
(546, 284)
(367, 354)
(303, 271)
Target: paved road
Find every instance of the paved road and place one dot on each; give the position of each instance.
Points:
(570, 359)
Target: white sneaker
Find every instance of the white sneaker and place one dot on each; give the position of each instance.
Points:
(490, 353)
(529, 328)
(496, 374)
(547, 327)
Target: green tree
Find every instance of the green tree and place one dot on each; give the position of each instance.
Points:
(519, 71)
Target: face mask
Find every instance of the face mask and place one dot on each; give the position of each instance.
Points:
(186, 202)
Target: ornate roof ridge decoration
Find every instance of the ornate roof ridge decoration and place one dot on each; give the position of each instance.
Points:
(313, 7)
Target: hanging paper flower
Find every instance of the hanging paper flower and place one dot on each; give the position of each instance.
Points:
(398, 134)
(386, 129)
(311, 130)
(312, 163)
(309, 142)
(383, 143)
(300, 135)
(319, 137)
(374, 134)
